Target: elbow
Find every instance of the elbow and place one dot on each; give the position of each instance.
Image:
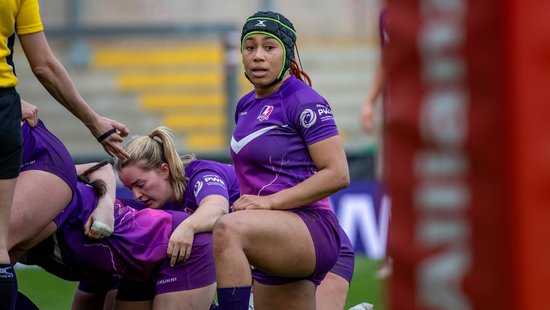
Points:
(223, 211)
(40, 72)
(44, 70)
(341, 180)
(344, 180)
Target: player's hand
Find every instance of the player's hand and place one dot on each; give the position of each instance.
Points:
(367, 117)
(111, 142)
(29, 113)
(252, 202)
(101, 222)
(180, 244)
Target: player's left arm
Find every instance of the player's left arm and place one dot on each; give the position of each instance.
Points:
(332, 175)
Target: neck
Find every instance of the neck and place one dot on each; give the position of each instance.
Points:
(266, 91)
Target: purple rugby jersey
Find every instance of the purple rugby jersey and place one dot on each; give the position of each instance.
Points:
(269, 144)
(136, 249)
(207, 178)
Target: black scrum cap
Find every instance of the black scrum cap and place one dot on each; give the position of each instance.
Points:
(274, 25)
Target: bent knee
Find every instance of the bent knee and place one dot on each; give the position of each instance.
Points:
(226, 231)
(223, 227)
(17, 231)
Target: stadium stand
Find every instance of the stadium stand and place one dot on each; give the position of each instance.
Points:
(183, 84)
(172, 71)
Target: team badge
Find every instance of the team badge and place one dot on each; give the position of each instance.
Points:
(266, 111)
(197, 188)
(308, 118)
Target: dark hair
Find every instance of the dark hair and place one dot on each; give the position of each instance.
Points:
(99, 186)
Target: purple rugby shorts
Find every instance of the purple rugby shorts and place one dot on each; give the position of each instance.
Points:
(323, 227)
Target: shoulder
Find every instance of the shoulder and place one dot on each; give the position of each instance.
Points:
(299, 92)
(200, 165)
(28, 18)
(246, 98)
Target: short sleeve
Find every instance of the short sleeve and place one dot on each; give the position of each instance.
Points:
(206, 183)
(28, 20)
(314, 120)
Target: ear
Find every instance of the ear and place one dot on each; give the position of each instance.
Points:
(165, 170)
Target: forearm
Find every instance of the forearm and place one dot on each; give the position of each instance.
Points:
(106, 174)
(51, 73)
(203, 219)
(376, 86)
(58, 83)
(320, 185)
(332, 175)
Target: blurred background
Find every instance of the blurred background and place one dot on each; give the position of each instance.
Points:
(177, 63)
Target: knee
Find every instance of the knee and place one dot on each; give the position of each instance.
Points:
(17, 223)
(224, 233)
(19, 230)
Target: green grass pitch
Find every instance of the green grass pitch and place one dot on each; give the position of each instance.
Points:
(51, 293)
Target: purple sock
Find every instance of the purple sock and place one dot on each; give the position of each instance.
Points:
(234, 298)
(8, 287)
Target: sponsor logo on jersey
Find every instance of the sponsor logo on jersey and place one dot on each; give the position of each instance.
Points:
(28, 163)
(213, 179)
(197, 188)
(164, 281)
(325, 113)
(308, 118)
(266, 111)
(325, 110)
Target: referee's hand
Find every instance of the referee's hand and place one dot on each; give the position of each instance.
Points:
(111, 142)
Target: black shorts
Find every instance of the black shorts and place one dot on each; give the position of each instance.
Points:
(11, 141)
(98, 283)
(130, 290)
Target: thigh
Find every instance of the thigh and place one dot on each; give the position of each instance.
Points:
(133, 305)
(296, 295)
(84, 300)
(199, 299)
(332, 293)
(271, 239)
(39, 197)
(110, 300)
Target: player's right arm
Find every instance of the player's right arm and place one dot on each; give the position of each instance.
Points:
(101, 222)
(210, 209)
